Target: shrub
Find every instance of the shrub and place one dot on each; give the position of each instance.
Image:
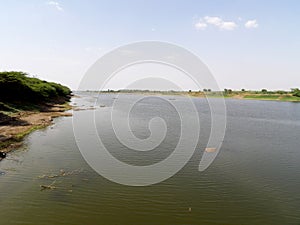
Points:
(296, 92)
(17, 86)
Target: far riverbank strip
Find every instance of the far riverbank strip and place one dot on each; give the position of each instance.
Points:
(283, 96)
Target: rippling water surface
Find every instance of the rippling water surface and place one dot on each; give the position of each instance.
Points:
(254, 180)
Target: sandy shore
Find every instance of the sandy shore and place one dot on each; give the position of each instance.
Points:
(15, 127)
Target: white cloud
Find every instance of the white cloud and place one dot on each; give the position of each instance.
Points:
(221, 24)
(216, 21)
(228, 26)
(56, 5)
(200, 25)
(251, 24)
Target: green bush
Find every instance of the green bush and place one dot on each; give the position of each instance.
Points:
(17, 86)
(296, 92)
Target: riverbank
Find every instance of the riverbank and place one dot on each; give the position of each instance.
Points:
(251, 95)
(15, 126)
(27, 104)
(283, 96)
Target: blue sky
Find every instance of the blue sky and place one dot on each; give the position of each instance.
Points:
(60, 40)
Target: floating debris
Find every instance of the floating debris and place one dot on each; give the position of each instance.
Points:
(82, 109)
(47, 176)
(210, 150)
(49, 187)
(10, 169)
(15, 160)
(62, 173)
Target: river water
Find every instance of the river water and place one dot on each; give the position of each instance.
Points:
(255, 178)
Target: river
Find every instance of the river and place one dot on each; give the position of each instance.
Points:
(255, 178)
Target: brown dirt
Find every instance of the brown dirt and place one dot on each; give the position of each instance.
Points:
(22, 123)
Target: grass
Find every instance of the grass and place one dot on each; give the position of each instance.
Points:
(263, 96)
(274, 97)
(7, 107)
(290, 98)
(21, 135)
(5, 144)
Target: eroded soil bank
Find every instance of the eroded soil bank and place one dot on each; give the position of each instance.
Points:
(14, 127)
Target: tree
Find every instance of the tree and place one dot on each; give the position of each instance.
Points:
(264, 91)
(281, 92)
(296, 92)
(227, 91)
(243, 90)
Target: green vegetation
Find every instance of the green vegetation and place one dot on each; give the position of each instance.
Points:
(18, 87)
(263, 94)
(21, 135)
(296, 92)
(22, 96)
(290, 98)
(19, 92)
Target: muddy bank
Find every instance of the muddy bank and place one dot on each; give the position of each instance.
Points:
(14, 127)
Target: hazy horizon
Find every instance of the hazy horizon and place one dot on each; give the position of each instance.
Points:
(244, 44)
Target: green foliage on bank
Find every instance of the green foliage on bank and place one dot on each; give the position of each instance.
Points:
(19, 87)
(265, 96)
(296, 92)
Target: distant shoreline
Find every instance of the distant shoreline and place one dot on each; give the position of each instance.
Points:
(283, 96)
